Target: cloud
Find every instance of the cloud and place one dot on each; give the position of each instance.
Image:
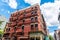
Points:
(11, 3)
(51, 12)
(32, 1)
(51, 33)
(9, 12)
(59, 26)
(6, 11)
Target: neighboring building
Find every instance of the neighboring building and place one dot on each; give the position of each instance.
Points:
(26, 24)
(57, 32)
(3, 21)
(47, 31)
(57, 35)
(59, 17)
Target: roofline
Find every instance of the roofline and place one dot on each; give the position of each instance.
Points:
(25, 8)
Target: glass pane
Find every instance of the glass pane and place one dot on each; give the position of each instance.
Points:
(37, 38)
(32, 39)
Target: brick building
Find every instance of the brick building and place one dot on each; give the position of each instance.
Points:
(57, 34)
(59, 19)
(26, 24)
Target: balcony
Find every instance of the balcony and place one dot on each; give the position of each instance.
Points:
(32, 19)
(7, 30)
(20, 17)
(36, 8)
(34, 13)
(18, 30)
(28, 10)
(20, 34)
(10, 19)
(13, 24)
(6, 35)
(13, 19)
(23, 38)
(36, 18)
(13, 38)
(27, 21)
(12, 30)
(6, 38)
(8, 24)
(21, 12)
(27, 15)
(14, 14)
(20, 23)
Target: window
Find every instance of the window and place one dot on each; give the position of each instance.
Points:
(33, 12)
(15, 28)
(18, 13)
(32, 27)
(37, 38)
(36, 26)
(14, 38)
(22, 27)
(11, 19)
(20, 33)
(36, 8)
(9, 24)
(32, 19)
(23, 20)
(24, 13)
(32, 39)
(36, 18)
(32, 8)
(12, 15)
(6, 35)
(7, 38)
(8, 29)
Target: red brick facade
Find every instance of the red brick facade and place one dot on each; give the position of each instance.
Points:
(23, 22)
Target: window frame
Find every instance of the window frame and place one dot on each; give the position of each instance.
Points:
(32, 28)
(36, 26)
(22, 27)
(32, 19)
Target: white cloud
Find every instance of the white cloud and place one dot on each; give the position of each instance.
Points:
(32, 1)
(59, 27)
(9, 12)
(51, 33)
(51, 12)
(11, 3)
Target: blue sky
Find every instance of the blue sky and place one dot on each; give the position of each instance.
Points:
(7, 7)
(21, 4)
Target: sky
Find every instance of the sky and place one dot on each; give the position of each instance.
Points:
(49, 9)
